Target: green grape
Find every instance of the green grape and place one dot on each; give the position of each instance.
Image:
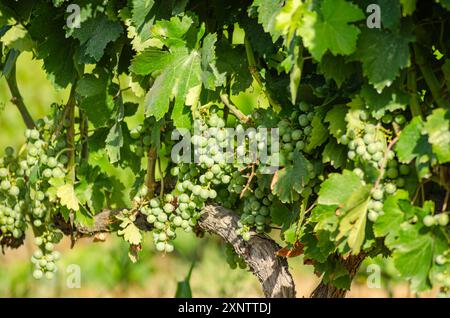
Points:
(442, 219)
(429, 221)
(38, 274)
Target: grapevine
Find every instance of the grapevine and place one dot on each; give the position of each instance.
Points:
(289, 121)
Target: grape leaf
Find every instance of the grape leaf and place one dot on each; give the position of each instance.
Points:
(179, 70)
(336, 68)
(383, 54)
(319, 133)
(293, 177)
(66, 194)
(353, 222)
(335, 154)
(95, 98)
(140, 17)
(114, 142)
(412, 143)
(17, 37)
(352, 198)
(336, 119)
(437, 127)
(338, 188)
(389, 100)
(388, 224)
(94, 34)
(268, 11)
(331, 30)
(129, 231)
(413, 255)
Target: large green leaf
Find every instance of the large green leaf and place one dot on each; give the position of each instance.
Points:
(331, 30)
(94, 34)
(383, 54)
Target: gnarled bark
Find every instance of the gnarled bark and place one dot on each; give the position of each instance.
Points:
(259, 252)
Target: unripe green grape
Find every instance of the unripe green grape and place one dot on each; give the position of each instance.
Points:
(390, 188)
(442, 219)
(9, 151)
(135, 133)
(400, 119)
(38, 274)
(351, 155)
(377, 156)
(440, 260)
(429, 221)
(52, 162)
(47, 173)
(392, 173)
(400, 182)
(372, 148)
(300, 145)
(37, 223)
(307, 130)
(212, 194)
(377, 194)
(38, 254)
(159, 225)
(49, 246)
(304, 107)
(151, 219)
(303, 120)
(359, 172)
(50, 266)
(204, 194)
(378, 206)
(387, 119)
(5, 185)
(17, 233)
(372, 216)
(344, 140)
(404, 170)
(363, 115)
(56, 255)
(162, 217)
(168, 197)
(296, 135)
(361, 150)
(168, 248)
(369, 139)
(310, 116)
(14, 191)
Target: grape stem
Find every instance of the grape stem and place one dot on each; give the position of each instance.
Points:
(241, 116)
(249, 181)
(17, 98)
(384, 162)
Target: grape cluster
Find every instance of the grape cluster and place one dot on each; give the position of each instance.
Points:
(12, 204)
(295, 133)
(25, 190)
(45, 257)
(440, 219)
(256, 212)
(233, 259)
(370, 147)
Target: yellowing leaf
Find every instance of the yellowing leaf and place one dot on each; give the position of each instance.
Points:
(66, 194)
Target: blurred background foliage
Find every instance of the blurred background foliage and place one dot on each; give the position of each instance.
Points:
(105, 268)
